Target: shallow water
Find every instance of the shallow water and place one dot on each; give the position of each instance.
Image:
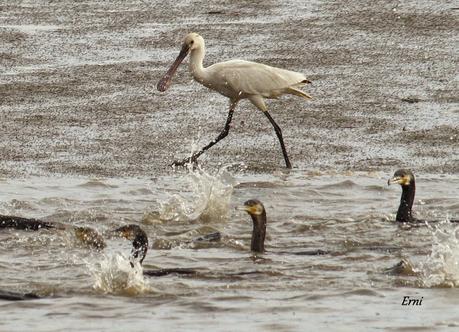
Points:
(349, 214)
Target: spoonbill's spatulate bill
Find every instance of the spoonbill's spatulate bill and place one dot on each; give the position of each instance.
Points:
(236, 79)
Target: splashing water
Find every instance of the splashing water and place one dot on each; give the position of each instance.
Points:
(114, 275)
(441, 268)
(208, 200)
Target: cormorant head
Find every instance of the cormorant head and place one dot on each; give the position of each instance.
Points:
(403, 177)
(138, 237)
(254, 207)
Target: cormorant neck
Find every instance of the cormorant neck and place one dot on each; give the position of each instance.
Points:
(196, 67)
(259, 232)
(406, 203)
(140, 246)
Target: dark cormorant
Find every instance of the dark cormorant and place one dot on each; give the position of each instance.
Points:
(139, 240)
(257, 211)
(405, 178)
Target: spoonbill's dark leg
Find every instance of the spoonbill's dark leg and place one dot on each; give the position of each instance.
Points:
(221, 136)
(279, 136)
(258, 101)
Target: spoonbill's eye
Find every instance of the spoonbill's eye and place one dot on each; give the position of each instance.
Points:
(191, 42)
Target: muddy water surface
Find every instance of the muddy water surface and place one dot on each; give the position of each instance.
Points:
(351, 215)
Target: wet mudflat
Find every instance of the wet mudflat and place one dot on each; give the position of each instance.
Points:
(86, 139)
(78, 85)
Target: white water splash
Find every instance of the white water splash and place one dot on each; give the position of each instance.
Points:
(441, 268)
(114, 275)
(207, 200)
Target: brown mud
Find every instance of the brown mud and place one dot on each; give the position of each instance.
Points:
(78, 86)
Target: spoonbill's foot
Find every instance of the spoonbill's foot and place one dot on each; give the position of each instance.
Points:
(186, 161)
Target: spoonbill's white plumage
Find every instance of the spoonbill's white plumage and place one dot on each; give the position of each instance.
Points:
(236, 79)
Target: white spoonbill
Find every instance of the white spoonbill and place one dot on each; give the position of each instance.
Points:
(236, 79)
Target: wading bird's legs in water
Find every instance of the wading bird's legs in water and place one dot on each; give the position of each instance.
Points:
(222, 135)
(279, 136)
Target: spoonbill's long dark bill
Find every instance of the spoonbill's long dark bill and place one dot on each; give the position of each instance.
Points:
(236, 79)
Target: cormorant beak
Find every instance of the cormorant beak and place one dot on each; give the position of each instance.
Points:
(401, 180)
(165, 82)
(249, 209)
(253, 210)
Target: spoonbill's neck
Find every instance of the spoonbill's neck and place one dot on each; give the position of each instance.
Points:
(196, 67)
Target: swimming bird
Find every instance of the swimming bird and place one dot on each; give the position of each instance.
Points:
(236, 79)
(257, 212)
(139, 240)
(405, 178)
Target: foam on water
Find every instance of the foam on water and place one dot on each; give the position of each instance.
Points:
(441, 268)
(207, 197)
(114, 275)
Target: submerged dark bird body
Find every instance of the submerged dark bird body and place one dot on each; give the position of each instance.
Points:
(21, 223)
(405, 178)
(15, 296)
(85, 235)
